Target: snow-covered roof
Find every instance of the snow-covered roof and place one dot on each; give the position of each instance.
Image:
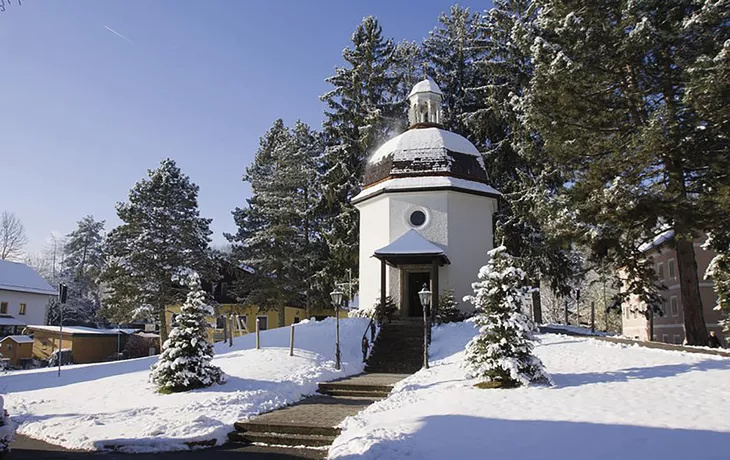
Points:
(15, 276)
(660, 239)
(418, 142)
(7, 320)
(410, 243)
(19, 338)
(411, 183)
(84, 330)
(425, 86)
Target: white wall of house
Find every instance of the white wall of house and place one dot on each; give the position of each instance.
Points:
(36, 306)
(374, 234)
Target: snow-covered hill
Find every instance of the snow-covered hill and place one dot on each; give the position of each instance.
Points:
(96, 406)
(609, 402)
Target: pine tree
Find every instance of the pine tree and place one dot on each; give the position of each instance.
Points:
(612, 98)
(501, 354)
(82, 265)
(719, 272)
(162, 238)
(452, 50)
(358, 119)
(408, 69)
(513, 154)
(185, 361)
(448, 311)
(278, 232)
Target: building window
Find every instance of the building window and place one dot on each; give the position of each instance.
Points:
(296, 320)
(672, 269)
(417, 218)
(628, 312)
(633, 313)
(665, 338)
(263, 322)
(3, 308)
(22, 309)
(660, 271)
(677, 339)
(674, 305)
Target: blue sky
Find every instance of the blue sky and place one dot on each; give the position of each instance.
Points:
(94, 93)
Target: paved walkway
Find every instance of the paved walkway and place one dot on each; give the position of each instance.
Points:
(329, 411)
(25, 448)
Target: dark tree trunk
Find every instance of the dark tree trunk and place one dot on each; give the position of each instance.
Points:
(536, 307)
(689, 284)
(163, 327)
(282, 316)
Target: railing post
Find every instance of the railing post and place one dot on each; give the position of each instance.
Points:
(291, 341)
(258, 336)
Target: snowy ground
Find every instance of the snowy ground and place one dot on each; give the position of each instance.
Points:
(96, 406)
(609, 402)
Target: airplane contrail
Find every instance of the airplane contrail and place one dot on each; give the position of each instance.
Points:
(117, 34)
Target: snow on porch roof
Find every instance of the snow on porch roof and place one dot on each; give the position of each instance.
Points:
(412, 244)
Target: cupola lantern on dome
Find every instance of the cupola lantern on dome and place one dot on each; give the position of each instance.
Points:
(425, 103)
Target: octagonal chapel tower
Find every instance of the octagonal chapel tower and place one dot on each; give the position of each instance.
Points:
(425, 211)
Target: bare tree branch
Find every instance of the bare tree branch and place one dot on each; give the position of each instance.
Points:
(12, 237)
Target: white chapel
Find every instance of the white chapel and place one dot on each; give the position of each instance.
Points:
(426, 211)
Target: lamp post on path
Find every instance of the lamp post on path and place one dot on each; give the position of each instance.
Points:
(337, 302)
(425, 297)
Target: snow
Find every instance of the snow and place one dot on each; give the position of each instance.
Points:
(410, 242)
(609, 401)
(8, 320)
(407, 183)
(114, 404)
(15, 276)
(660, 239)
(421, 140)
(83, 330)
(425, 86)
(19, 338)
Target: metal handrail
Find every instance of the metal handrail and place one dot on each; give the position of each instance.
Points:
(365, 343)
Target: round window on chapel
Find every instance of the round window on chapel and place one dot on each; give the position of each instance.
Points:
(417, 218)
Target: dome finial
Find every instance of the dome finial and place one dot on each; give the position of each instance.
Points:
(425, 103)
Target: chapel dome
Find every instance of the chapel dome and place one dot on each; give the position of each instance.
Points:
(426, 86)
(426, 151)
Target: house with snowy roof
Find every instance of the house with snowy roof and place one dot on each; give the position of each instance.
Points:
(669, 327)
(426, 211)
(24, 297)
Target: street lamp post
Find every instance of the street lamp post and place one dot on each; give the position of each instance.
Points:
(337, 302)
(425, 297)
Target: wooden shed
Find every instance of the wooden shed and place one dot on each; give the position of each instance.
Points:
(87, 345)
(16, 348)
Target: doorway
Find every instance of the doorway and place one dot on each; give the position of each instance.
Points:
(415, 283)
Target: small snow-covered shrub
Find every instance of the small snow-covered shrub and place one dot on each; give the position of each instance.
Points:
(501, 354)
(383, 312)
(448, 310)
(719, 272)
(185, 362)
(7, 428)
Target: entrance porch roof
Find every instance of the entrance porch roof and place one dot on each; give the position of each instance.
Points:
(412, 248)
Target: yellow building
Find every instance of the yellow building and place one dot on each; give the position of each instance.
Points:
(245, 317)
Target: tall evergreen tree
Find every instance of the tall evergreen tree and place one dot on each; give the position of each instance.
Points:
(512, 152)
(452, 50)
(359, 117)
(611, 98)
(161, 239)
(408, 69)
(278, 232)
(80, 271)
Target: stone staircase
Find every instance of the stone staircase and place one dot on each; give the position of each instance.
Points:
(398, 349)
(310, 425)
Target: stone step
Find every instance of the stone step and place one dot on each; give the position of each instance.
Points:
(258, 427)
(345, 385)
(374, 395)
(281, 439)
